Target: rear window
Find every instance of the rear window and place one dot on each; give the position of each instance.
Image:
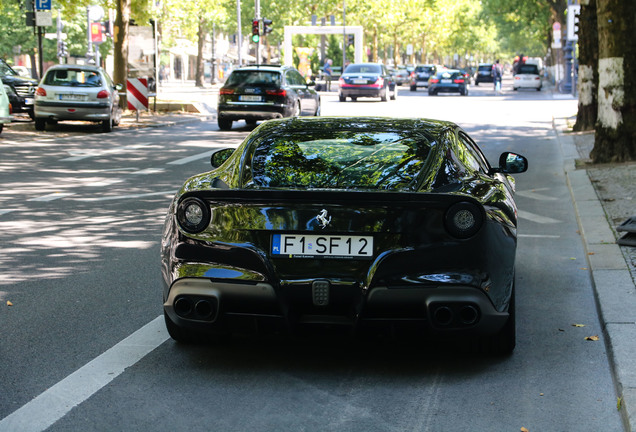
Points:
(363, 68)
(348, 159)
(424, 69)
(485, 68)
(72, 78)
(265, 78)
(528, 69)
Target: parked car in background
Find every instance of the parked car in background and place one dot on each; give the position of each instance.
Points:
(5, 107)
(20, 90)
(354, 223)
(421, 74)
(527, 76)
(484, 73)
(448, 81)
(366, 80)
(263, 92)
(401, 76)
(76, 92)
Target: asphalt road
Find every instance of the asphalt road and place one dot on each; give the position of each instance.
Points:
(83, 346)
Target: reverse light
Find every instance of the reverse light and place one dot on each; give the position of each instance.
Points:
(193, 215)
(463, 220)
(103, 94)
(40, 91)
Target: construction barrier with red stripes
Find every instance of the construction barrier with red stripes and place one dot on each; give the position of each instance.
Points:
(137, 94)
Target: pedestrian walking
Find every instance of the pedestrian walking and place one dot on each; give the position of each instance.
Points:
(497, 75)
(327, 72)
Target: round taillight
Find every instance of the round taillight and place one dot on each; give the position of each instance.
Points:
(103, 94)
(463, 220)
(40, 91)
(193, 215)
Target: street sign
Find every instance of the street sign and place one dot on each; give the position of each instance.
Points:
(43, 4)
(43, 18)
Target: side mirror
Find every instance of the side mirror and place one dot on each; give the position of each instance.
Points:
(512, 163)
(220, 156)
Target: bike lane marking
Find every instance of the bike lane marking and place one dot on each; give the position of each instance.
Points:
(61, 398)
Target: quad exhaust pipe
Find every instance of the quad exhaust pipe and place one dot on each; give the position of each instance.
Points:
(196, 308)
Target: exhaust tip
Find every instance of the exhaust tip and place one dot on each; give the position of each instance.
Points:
(468, 315)
(183, 306)
(203, 309)
(443, 316)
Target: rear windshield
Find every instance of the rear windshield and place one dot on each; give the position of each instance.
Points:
(528, 69)
(363, 68)
(73, 77)
(348, 159)
(266, 78)
(424, 69)
(485, 68)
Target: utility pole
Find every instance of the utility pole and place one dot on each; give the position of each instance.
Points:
(344, 35)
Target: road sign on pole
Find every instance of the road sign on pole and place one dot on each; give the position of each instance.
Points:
(43, 4)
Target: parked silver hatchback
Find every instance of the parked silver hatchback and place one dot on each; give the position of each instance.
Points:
(77, 92)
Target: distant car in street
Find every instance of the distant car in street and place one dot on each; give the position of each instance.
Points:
(77, 92)
(366, 80)
(421, 74)
(401, 76)
(20, 90)
(448, 81)
(263, 92)
(527, 76)
(484, 73)
(5, 107)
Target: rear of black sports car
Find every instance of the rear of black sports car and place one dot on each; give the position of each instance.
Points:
(241, 259)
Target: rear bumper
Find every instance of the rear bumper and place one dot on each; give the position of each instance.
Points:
(206, 304)
(362, 91)
(236, 111)
(74, 111)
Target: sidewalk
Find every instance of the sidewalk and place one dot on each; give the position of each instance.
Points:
(604, 196)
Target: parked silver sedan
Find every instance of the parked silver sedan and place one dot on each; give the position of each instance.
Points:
(77, 92)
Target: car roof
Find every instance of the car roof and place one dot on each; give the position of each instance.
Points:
(76, 67)
(266, 67)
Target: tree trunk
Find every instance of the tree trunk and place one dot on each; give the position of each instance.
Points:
(121, 45)
(615, 139)
(200, 73)
(588, 67)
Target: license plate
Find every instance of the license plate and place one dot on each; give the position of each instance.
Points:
(359, 81)
(334, 246)
(446, 81)
(28, 101)
(249, 98)
(73, 97)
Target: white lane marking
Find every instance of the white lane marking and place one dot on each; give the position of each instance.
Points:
(534, 195)
(539, 236)
(52, 197)
(105, 183)
(536, 218)
(79, 155)
(116, 197)
(57, 401)
(6, 211)
(192, 158)
(148, 171)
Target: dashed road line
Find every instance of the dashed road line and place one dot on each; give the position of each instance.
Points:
(52, 197)
(536, 218)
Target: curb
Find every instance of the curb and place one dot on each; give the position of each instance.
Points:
(613, 286)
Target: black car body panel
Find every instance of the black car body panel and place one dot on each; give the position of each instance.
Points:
(367, 80)
(22, 89)
(448, 81)
(356, 227)
(264, 92)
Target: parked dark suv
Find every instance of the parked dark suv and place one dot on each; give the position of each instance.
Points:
(421, 74)
(484, 73)
(262, 92)
(20, 90)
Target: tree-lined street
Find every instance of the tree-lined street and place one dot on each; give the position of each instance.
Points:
(80, 225)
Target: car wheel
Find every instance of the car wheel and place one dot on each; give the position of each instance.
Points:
(117, 117)
(317, 113)
(342, 98)
(476, 83)
(354, 98)
(383, 97)
(413, 88)
(40, 124)
(539, 89)
(504, 342)
(296, 112)
(31, 114)
(250, 122)
(224, 124)
(1, 127)
(431, 93)
(107, 125)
